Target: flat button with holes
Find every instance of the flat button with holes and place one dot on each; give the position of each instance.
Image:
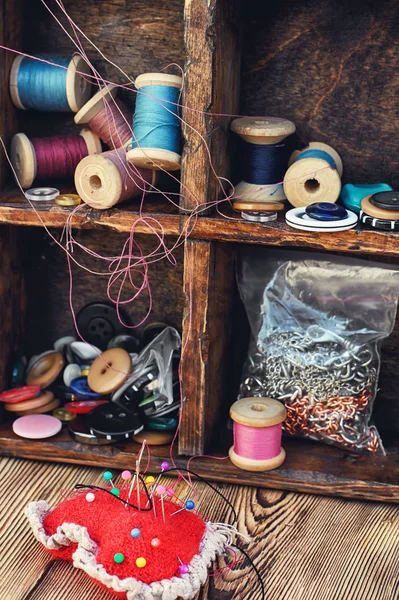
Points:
(109, 371)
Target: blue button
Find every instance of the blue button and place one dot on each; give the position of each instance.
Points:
(80, 387)
(326, 211)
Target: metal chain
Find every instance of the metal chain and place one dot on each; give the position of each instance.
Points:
(326, 386)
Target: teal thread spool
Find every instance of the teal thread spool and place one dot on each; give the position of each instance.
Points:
(36, 85)
(314, 175)
(156, 140)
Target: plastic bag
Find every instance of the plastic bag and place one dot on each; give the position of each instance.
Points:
(317, 323)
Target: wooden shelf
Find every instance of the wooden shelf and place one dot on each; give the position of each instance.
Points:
(309, 467)
(229, 228)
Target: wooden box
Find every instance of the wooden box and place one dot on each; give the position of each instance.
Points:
(328, 66)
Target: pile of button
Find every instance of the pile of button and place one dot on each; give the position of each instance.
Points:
(381, 211)
(103, 397)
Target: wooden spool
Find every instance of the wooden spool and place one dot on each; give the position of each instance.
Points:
(23, 156)
(313, 180)
(99, 182)
(156, 158)
(97, 103)
(78, 87)
(261, 131)
(259, 413)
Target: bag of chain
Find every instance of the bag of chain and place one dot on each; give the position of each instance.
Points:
(317, 324)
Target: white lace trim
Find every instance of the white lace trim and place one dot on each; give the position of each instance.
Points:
(186, 587)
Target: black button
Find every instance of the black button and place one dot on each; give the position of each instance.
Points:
(386, 200)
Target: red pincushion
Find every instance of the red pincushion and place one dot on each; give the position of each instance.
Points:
(109, 524)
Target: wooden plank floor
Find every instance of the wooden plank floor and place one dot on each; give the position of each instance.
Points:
(306, 547)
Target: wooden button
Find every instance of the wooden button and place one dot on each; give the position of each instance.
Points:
(109, 371)
(41, 400)
(258, 206)
(378, 213)
(41, 410)
(154, 438)
(45, 369)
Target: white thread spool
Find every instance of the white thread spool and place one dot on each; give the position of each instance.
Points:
(78, 87)
(311, 180)
(23, 155)
(102, 183)
(156, 158)
(261, 131)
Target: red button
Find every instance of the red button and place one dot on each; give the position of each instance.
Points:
(84, 406)
(20, 394)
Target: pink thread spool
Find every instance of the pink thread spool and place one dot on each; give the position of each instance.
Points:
(257, 434)
(50, 158)
(108, 117)
(103, 180)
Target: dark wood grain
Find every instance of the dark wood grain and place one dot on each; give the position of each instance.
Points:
(331, 68)
(310, 467)
(342, 549)
(46, 270)
(208, 284)
(211, 84)
(12, 301)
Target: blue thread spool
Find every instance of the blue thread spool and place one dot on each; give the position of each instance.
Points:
(314, 175)
(265, 158)
(36, 85)
(156, 140)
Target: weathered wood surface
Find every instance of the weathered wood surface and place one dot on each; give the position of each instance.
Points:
(48, 284)
(331, 67)
(13, 209)
(309, 467)
(208, 290)
(211, 85)
(305, 546)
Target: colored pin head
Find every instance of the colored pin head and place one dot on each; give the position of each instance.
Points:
(190, 505)
(135, 533)
(155, 542)
(119, 558)
(107, 475)
(126, 475)
(90, 497)
(161, 489)
(149, 479)
(183, 569)
(165, 466)
(170, 492)
(141, 562)
(115, 491)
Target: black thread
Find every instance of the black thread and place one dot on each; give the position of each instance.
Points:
(255, 568)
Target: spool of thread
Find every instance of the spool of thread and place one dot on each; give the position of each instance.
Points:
(257, 426)
(50, 158)
(108, 117)
(156, 140)
(103, 180)
(314, 175)
(37, 85)
(265, 151)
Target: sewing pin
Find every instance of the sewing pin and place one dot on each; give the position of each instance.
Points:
(165, 466)
(189, 505)
(108, 477)
(161, 489)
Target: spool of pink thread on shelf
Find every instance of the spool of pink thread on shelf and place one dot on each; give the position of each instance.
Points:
(257, 427)
(103, 180)
(109, 117)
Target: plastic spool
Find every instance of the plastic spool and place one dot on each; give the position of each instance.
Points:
(155, 158)
(310, 180)
(23, 155)
(78, 87)
(262, 131)
(106, 99)
(259, 418)
(101, 184)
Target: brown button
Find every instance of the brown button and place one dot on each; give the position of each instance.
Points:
(42, 400)
(45, 370)
(41, 410)
(109, 371)
(154, 438)
(377, 212)
(243, 206)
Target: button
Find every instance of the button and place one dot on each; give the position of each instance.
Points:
(326, 211)
(42, 400)
(60, 344)
(83, 407)
(26, 392)
(98, 323)
(81, 388)
(41, 410)
(42, 194)
(109, 371)
(129, 343)
(387, 200)
(71, 372)
(45, 369)
(85, 352)
(68, 200)
(64, 415)
(110, 420)
(80, 432)
(37, 427)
